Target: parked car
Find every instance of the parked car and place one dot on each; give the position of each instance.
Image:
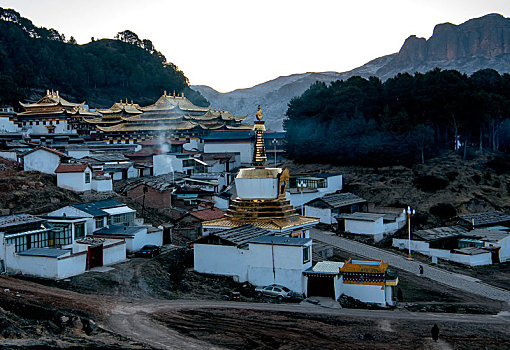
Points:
(148, 251)
(277, 291)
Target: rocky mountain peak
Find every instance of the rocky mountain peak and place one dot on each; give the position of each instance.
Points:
(487, 36)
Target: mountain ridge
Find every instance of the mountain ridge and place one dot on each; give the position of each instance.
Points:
(476, 44)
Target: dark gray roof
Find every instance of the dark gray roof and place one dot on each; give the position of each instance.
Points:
(360, 216)
(338, 200)
(18, 219)
(487, 218)
(440, 232)
(279, 240)
(119, 230)
(94, 208)
(160, 183)
(47, 252)
(228, 136)
(488, 235)
(241, 234)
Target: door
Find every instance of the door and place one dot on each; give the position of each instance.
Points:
(341, 225)
(94, 256)
(167, 235)
(321, 286)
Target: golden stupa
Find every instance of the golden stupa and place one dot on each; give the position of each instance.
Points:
(261, 196)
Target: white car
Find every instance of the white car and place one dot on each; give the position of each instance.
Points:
(276, 291)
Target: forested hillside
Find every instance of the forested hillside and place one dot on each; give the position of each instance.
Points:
(100, 72)
(405, 119)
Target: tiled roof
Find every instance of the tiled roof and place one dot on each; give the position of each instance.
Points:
(338, 200)
(241, 235)
(95, 208)
(326, 267)
(71, 168)
(440, 232)
(208, 214)
(278, 240)
(488, 218)
(60, 154)
(17, 219)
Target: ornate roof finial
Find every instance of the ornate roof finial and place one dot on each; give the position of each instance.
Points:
(259, 152)
(164, 93)
(47, 92)
(259, 113)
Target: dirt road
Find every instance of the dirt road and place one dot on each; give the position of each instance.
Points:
(145, 321)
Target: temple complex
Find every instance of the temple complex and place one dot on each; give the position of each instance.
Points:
(261, 198)
(170, 116)
(52, 114)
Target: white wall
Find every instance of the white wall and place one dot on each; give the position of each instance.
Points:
(78, 153)
(365, 227)
(74, 181)
(72, 211)
(9, 155)
(244, 148)
(132, 172)
(288, 265)
(504, 251)
(104, 185)
(6, 125)
(166, 164)
(41, 160)
(324, 215)
(113, 252)
(193, 143)
(335, 183)
(221, 260)
(423, 247)
(296, 199)
(257, 188)
(72, 266)
(366, 293)
(221, 203)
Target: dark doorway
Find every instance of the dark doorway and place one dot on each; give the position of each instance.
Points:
(95, 256)
(321, 286)
(495, 256)
(341, 225)
(167, 235)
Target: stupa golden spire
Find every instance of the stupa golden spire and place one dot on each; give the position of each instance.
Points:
(259, 153)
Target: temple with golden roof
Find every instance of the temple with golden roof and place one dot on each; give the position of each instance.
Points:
(170, 116)
(52, 114)
(261, 198)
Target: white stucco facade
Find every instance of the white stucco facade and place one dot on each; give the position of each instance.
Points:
(102, 185)
(7, 125)
(245, 149)
(221, 260)
(41, 160)
(75, 181)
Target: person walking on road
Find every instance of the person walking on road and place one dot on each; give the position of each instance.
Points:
(435, 332)
(421, 270)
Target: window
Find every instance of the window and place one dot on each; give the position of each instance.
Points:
(122, 219)
(87, 177)
(79, 231)
(99, 223)
(306, 254)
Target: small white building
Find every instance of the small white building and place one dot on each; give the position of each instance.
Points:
(53, 247)
(375, 225)
(135, 236)
(368, 281)
(329, 206)
(74, 177)
(249, 253)
(230, 142)
(43, 159)
(100, 213)
(478, 247)
(315, 186)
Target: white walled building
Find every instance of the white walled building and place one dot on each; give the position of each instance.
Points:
(43, 159)
(326, 208)
(317, 185)
(375, 225)
(135, 236)
(100, 213)
(230, 142)
(247, 253)
(74, 177)
(53, 247)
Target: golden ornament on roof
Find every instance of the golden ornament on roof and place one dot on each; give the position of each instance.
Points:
(259, 113)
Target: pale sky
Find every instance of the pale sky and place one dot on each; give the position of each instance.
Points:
(237, 44)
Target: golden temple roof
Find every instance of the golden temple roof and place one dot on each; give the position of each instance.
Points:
(275, 224)
(51, 98)
(171, 101)
(133, 127)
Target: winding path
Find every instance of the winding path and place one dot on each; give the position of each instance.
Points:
(133, 320)
(454, 280)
